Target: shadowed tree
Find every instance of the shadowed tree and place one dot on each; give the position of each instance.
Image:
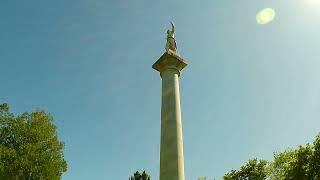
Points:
(29, 146)
(138, 176)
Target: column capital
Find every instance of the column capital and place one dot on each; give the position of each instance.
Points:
(169, 60)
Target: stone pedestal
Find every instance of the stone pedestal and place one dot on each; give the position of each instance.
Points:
(171, 149)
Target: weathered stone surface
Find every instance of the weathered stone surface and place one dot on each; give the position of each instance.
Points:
(169, 60)
(171, 148)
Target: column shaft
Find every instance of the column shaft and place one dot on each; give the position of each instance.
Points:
(171, 150)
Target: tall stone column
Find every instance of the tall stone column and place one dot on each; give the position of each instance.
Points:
(170, 65)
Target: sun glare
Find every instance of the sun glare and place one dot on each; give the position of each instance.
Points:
(265, 16)
(313, 3)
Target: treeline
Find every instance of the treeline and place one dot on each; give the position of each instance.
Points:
(302, 163)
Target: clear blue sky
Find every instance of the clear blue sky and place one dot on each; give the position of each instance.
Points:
(249, 89)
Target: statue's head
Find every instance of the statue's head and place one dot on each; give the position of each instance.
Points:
(168, 31)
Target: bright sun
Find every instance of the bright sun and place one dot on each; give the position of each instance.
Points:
(313, 2)
(265, 16)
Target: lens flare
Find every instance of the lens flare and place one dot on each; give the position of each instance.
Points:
(265, 16)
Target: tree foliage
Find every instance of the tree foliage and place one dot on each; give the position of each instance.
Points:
(140, 176)
(29, 146)
(205, 178)
(252, 170)
(302, 163)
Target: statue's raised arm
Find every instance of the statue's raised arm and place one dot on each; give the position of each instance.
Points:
(172, 25)
(171, 42)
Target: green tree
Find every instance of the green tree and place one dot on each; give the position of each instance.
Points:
(314, 164)
(29, 146)
(140, 176)
(302, 163)
(204, 178)
(292, 164)
(252, 170)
